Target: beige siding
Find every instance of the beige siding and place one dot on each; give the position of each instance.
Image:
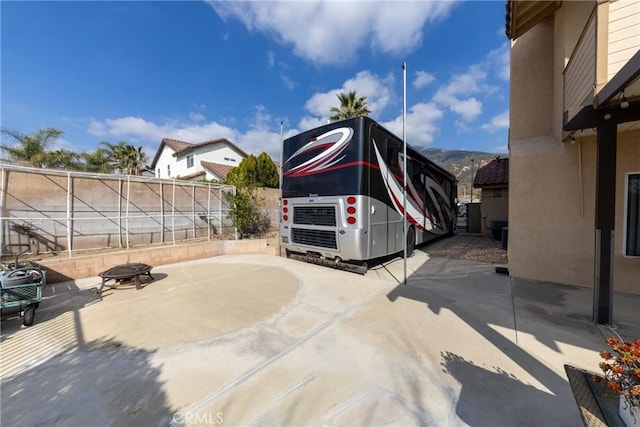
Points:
(624, 33)
(579, 76)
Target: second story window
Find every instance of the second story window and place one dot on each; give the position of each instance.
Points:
(169, 170)
(158, 174)
(190, 161)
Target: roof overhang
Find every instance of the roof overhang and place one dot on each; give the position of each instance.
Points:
(523, 15)
(626, 83)
(608, 103)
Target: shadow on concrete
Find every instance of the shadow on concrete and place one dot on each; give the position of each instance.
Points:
(99, 383)
(57, 299)
(551, 314)
(493, 397)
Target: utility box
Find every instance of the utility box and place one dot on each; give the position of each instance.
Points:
(474, 218)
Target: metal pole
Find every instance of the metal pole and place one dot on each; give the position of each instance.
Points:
(235, 228)
(209, 212)
(69, 225)
(126, 220)
(173, 214)
(404, 166)
(193, 209)
(3, 192)
(280, 182)
(162, 225)
(220, 196)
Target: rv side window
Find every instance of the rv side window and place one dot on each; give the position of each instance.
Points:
(392, 156)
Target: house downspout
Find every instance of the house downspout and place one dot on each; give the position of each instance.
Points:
(581, 178)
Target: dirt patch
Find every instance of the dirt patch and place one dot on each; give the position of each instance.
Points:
(468, 247)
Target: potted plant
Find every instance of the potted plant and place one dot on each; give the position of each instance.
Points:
(622, 373)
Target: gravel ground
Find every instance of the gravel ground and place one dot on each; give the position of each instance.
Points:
(469, 247)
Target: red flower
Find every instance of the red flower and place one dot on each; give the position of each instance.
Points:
(612, 341)
(621, 368)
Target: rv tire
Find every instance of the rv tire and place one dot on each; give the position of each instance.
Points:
(411, 241)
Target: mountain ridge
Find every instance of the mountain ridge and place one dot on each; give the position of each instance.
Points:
(463, 164)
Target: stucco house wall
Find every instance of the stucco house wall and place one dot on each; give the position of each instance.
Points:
(495, 206)
(552, 179)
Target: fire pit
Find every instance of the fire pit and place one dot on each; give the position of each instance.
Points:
(123, 272)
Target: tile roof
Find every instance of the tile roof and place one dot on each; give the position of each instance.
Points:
(217, 169)
(194, 175)
(494, 174)
(175, 144)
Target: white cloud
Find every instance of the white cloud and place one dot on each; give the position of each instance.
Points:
(456, 95)
(308, 122)
(331, 32)
(263, 133)
(96, 128)
(421, 123)
(196, 117)
(501, 121)
(377, 90)
(256, 141)
(499, 60)
(290, 84)
(469, 108)
(271, 59)
(423, 79)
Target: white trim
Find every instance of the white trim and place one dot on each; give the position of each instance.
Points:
(624, 216)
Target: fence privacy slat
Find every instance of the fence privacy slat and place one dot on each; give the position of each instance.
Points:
(75, 211)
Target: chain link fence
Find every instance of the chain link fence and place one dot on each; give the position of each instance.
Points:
(48, 211)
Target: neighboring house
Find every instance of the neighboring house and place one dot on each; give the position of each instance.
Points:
(210, 160)
(574, 145)
(493, 179)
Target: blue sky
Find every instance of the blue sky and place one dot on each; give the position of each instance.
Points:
(194, 71)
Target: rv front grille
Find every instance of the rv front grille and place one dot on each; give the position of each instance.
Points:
(315, 215)
(319, 238)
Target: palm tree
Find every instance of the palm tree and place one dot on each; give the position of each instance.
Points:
(98, 161)
(350, 106)
(62, 159)
(30, 149)
(126, 158)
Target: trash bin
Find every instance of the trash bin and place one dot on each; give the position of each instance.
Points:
(496, 226)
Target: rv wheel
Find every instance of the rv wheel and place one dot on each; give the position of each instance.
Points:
(411, 241)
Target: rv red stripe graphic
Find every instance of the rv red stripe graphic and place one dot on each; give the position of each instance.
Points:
(332, 144)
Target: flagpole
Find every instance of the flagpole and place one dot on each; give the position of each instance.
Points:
(404, 165)
(280, 181)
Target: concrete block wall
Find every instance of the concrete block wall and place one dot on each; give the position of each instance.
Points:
(62, 269)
